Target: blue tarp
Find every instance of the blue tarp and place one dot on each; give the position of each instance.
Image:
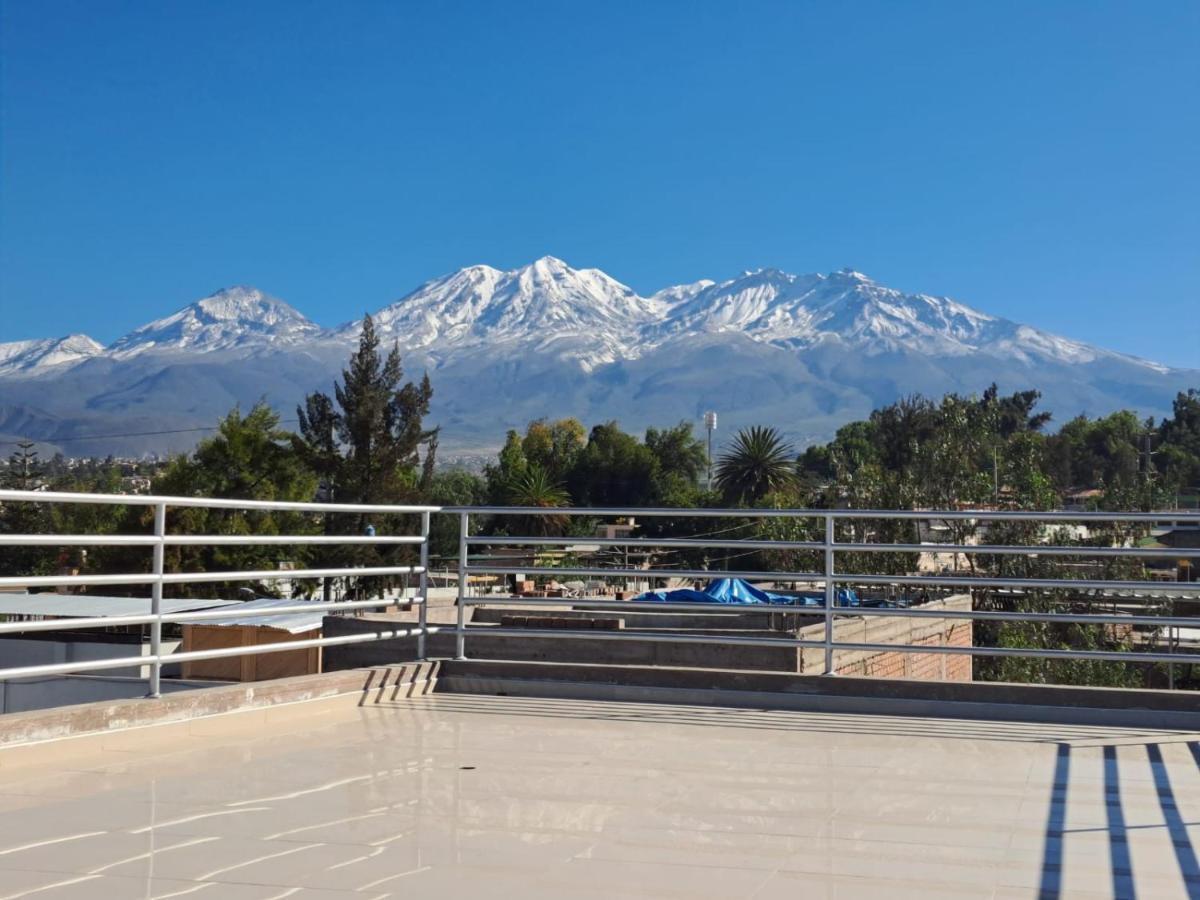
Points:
(735, 590)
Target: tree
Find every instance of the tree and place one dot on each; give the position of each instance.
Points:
(249, 458)
(452, 487)
(535, 487)
(758, 462)
(510, 464)
(366, 442)
(24, 473)
(554, 446)
(24, 469)
(614, 469)
(681, 457)
(368, 439)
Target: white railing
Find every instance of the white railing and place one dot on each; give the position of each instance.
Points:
(158, 577)
(827, 576)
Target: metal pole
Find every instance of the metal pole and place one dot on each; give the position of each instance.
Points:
(460, 632)
(830, 596)
(423, 586)
(156, 592)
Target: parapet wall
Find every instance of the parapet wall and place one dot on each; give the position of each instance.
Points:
(643, 650)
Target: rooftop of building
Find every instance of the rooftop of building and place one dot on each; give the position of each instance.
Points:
(447, 795)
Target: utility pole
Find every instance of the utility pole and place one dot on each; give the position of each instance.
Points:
(1147, 467)
(710, 423)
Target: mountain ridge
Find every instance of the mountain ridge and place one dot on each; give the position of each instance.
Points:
(807, 352)
(548, 297)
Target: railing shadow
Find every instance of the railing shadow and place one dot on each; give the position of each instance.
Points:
(1050, 885)
(1121, 870)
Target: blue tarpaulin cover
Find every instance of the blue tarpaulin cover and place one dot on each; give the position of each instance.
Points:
(735, 590)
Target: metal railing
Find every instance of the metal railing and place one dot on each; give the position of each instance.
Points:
(157, 578)
(827, 577)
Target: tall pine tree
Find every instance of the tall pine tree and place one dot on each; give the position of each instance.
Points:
(368, 443)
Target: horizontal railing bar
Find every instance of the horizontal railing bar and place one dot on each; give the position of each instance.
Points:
(168, 658)
(837, 646)
(1025, 550)
(207, 502)
(174, 540)
(700, 543)
(381, 635)
(276, 574)
(67, 580)
(1081, 584)
(83, 665)
(1001, 616)
(1027, 652)
(494, 631)
(190, 577)
(645, 606)
(697, 543)
(816, 611)
(749, 514)
(78, 622)
(232, 612)
(531, 571)
(69, 623)
(312, 506)
(78, 540)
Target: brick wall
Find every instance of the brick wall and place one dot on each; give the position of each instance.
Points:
(897, 630)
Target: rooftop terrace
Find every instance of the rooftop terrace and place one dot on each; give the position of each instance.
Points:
(516, 776)
(446, 795)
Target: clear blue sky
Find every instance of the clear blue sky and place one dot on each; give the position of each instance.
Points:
(1039, 161)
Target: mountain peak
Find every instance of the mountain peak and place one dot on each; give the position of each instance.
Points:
(18, 357)
(236, 316)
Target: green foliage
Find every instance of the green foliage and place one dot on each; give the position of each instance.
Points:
(249, 458)
(379, 428)
(536, 487)
(452, 487)
(554, 447)
(757, 463)
(366, 445)
(614, 469)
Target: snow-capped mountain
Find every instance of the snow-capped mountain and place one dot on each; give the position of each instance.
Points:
(804, 352)
(233, 317)
(546, 305)
(27, 356)
(850, 309)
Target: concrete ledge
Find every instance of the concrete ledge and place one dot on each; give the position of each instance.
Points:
(778, 690)
(362, 685)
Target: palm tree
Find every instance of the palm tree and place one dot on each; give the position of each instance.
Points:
(533, 486)
(758, 462)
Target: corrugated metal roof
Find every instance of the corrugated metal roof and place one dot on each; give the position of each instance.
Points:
(92, 606)
(293, 623)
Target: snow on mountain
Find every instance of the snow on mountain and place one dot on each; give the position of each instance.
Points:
(231, 318)
(546, 305)
(805, 352)
(849, 308)
(25, 356)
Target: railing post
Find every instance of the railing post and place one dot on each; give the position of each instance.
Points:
(460, 631)
(423, 586)
(830, 595)
(156, 595)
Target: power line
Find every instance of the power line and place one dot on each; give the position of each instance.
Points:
(124, 434)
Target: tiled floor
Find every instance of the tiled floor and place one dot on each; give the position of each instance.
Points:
(467, 796)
